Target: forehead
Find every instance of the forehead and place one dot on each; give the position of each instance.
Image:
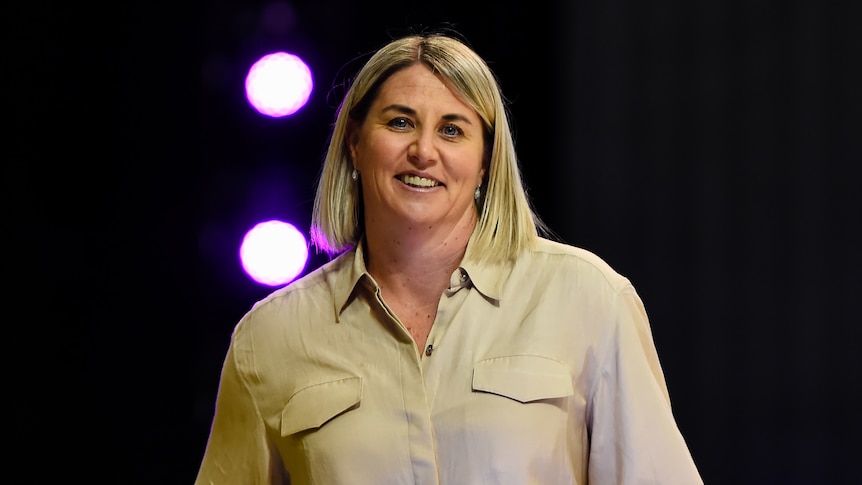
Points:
(415, 83)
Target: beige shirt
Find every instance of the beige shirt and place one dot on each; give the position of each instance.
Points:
(543, 372)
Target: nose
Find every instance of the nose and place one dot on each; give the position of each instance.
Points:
(423, 151)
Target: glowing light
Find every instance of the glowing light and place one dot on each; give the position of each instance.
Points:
(273, 253)
(278, 84)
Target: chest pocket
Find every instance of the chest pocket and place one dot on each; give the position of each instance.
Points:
(524, 378)
(312, 406)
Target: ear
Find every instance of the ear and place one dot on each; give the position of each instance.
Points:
(352, 137)
(486, 162)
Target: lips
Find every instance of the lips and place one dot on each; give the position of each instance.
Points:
(417, 181)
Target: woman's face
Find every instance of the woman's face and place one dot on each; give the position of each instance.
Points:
(419, 152)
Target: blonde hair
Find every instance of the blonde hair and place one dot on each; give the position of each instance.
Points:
(507, 223)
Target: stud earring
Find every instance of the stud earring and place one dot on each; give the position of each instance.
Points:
(478, 192)
(354, 175)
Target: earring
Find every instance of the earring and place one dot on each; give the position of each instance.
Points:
(478, 192)
(354, 175)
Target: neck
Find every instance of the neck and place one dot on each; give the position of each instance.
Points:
(414, 259)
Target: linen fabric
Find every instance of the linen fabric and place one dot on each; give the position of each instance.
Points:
(543, 371)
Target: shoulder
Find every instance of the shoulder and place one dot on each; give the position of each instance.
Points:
(568, 260)
(309, 298)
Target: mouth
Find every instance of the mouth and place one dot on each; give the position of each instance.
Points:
(417, 181)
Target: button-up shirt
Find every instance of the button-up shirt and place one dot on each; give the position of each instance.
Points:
(542, 371)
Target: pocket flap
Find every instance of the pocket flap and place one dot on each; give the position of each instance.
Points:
(314, 405)
(524, 378)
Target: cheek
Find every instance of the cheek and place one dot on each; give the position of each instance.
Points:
(377, 153)
(362, 152)
(474, 167)
(362, 149)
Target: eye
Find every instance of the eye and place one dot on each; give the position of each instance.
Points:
(451, 131)
(400, 123)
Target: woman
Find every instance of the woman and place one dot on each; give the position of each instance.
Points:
(448, 341)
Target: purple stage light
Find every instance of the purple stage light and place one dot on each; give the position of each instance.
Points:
(273, 253)
(278, 84)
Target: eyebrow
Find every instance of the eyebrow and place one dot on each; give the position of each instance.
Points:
(410, 111)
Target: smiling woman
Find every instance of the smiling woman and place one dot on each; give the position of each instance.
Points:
(449, 340)
(419, 152)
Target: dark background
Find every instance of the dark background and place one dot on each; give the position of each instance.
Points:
(708, 150)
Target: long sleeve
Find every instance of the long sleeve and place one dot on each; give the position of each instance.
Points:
(237, 451)
(552, 378)
(634, 437)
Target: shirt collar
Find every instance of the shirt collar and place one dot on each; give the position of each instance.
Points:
(487, 278)
(343, 288)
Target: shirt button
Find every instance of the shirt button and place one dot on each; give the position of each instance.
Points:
(463, 275)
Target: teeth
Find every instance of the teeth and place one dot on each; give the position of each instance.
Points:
(418, 181)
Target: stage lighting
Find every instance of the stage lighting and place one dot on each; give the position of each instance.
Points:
(278, 84)
(273, 253)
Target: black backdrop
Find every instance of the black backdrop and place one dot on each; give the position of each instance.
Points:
(709, 150)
